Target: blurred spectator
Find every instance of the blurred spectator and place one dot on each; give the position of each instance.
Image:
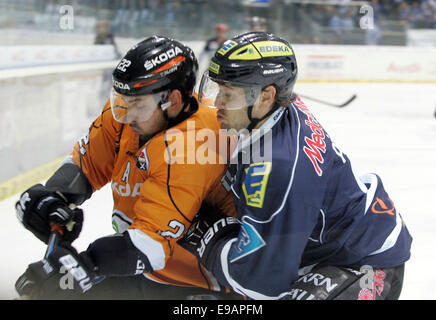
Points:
(377, 10)
(257, 24)
(347, 22)
(403, 13)
(103, 34)
(171, 7)
(191, 20)
(213, 44)
(429, 15)
(335, 22)
(415, 13)
(105, 37)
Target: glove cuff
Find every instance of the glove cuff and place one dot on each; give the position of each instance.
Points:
(208, 260)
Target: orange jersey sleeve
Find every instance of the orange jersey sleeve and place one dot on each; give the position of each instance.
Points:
(95, 152)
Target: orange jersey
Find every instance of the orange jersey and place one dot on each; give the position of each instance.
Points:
(159, 187)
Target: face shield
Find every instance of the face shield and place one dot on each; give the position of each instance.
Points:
(225, 94)
(127, 109)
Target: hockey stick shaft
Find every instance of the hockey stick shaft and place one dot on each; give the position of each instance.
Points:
(346, 103)
(56, 232)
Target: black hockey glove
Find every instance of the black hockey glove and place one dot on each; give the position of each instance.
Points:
(208, 230)
(65, 274)
(39, 207)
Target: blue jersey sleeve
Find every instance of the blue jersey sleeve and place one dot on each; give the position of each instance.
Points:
(305, 206)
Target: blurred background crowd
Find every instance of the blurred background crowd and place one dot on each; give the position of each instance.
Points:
(325, 22)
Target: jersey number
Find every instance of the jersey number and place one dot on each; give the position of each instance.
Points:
(177, 229)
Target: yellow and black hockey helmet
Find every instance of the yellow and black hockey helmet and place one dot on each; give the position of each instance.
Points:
(255, 59)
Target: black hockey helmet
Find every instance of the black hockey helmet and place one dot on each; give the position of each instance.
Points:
(151, 69)
(154, 65)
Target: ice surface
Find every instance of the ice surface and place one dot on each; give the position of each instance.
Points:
(390, 129)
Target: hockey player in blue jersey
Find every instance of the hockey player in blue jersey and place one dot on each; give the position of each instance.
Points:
(308, 227)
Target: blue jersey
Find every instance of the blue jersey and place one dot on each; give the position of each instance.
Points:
(301, 205)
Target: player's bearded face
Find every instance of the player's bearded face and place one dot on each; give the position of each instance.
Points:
(143, 113)
(232, 108)
(149, 127)
(230, 98)
(137, 109)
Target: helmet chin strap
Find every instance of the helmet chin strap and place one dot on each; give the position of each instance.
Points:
(255, 121)
(183, 114)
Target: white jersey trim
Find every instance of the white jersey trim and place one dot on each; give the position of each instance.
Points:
(372, 180)
(235, 285)
(215, 284)
(120, 221)
(322, 229)
(148, 246)
(68, 160)
(392, 238)
(245, 141)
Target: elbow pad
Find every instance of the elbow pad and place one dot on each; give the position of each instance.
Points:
(71, 182)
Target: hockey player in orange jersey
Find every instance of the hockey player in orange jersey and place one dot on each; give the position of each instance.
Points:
(157, 186)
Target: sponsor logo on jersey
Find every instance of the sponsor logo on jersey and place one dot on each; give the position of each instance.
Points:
(126, 190)
(255, 183)
(249, 241)
(142, 163)
(121, 85)
(163, 57)
(379, 206)
(315, 144)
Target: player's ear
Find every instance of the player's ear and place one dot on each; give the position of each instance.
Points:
(175, 97)
(268, 95)
(266, 99)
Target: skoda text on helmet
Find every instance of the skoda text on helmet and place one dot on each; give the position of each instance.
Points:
(146, 75)
(252, 61)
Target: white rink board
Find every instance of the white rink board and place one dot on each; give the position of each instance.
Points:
(389, 129)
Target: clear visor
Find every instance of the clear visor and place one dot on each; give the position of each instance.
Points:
(127, 109)
(226, 95)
